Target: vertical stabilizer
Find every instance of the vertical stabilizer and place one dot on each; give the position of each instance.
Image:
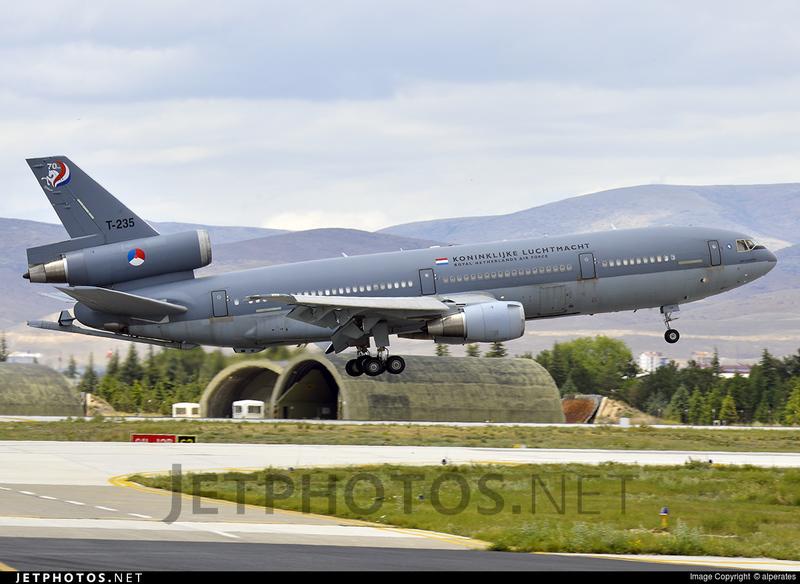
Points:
(84, 207)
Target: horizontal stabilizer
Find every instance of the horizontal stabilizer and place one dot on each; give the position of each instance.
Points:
(71, 328)
(123, 303)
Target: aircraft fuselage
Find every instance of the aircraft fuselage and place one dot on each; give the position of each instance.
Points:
(554, 276)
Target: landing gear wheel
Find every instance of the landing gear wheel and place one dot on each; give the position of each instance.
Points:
(672, 336)
(395, 364)
(353, 368)
(373, 366)
(361, 359)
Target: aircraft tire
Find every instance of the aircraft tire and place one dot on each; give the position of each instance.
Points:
(373, 366)
(395, 365)
(353, 368)
(672, 336)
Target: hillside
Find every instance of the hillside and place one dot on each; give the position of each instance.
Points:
(307, 245)
(768, 212)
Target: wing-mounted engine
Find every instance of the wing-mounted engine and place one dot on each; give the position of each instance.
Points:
(485, 322)
(124, 261)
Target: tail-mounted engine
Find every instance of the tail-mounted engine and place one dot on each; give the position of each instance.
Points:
(127, 260)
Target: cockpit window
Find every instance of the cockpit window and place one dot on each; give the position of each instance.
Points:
(747, 245)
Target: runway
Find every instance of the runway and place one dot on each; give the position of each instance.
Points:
(280, 421)
(65, 505)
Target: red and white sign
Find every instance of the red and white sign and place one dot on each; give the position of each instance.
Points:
(165, 438)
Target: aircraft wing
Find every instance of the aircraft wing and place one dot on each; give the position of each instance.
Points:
(333, 311)
(350, 318)
(124, 303)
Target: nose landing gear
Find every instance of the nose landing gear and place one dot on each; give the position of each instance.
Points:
(671, 335)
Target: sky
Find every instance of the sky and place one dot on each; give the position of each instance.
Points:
(306, 114)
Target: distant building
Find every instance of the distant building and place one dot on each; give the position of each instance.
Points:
(729, 371)
(703, 358)
(649, 361)
(186, 410)
(23, 357)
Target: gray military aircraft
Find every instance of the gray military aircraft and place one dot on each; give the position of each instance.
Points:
(133, 284)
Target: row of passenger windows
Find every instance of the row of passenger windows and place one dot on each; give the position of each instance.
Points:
(351, 289)
(637, 261)
(507, 274)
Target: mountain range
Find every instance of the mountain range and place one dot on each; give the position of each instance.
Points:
(739, 323)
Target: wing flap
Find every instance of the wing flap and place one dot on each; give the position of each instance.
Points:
(124, 303)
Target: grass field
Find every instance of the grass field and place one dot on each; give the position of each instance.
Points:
(726, 511)
(579, 436)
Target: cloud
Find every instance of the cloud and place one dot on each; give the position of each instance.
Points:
(364, 115)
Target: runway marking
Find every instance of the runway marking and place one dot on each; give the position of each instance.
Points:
(26, 492)
(220, 528)
(105, 508)
(123, 481)
(5, 489)
(140, 515)
(74, 502)
(48, 497)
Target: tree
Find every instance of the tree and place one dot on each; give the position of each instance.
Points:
(696, 403)
(3, 347)
(131, 370)
(112, 369)
(791, 414)
(763, 412)
(473, 350)
(498, 350)
(72, 368)
(597, 365)
(569, 387)
(727, 413)
(715, 366)
(442, 350)
(678, 408)
(89, 379)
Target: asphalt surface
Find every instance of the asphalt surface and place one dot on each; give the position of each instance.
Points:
(83, 554)
(65, 505)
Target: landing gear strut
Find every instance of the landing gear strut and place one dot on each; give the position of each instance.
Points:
(374, 366)
(671, 335)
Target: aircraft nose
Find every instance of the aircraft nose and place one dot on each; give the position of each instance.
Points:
(772, 260)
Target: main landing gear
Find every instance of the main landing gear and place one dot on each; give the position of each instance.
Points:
(671, 335)
(365, 363)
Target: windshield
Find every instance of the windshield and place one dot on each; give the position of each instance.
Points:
(747, 245)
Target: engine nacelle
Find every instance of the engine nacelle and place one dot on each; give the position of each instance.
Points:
(127, 260)
(483, 323)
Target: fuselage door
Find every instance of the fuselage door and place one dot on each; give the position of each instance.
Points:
(713, 248)
(587, 266)
(219, 303)
(427, 281)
